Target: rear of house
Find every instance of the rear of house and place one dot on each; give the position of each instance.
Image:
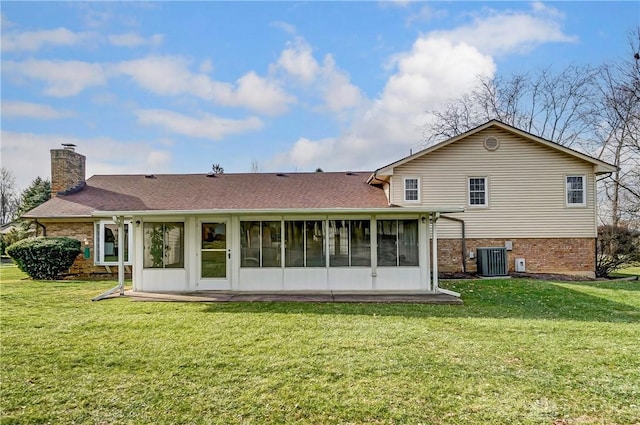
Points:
(388, 230)
(534, 197)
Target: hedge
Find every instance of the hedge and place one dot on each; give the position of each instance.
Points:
(45, 257)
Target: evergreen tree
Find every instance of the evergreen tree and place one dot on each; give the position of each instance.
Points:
(37, 193)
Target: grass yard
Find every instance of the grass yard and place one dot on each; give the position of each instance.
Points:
(518, 352)
(628, 271)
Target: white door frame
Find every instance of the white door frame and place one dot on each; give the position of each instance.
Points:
(217, 283)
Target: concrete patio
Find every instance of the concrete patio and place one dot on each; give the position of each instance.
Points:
(319, 297)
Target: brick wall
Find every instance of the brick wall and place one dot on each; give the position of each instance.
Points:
(67, 170)
(83, 232)
(560, 255)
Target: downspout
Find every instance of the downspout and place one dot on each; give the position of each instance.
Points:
(464, 240)
(44, 229)
(120, 288)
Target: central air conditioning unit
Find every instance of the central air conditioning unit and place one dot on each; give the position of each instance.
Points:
(492, 262)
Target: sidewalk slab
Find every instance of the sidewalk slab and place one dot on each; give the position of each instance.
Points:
(323, 297)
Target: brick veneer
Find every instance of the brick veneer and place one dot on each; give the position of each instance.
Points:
(67, 170)
(561, 255)
(84, 233)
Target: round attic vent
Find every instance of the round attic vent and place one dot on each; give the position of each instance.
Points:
(491, 143)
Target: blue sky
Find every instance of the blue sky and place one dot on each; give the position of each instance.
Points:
(172, 87)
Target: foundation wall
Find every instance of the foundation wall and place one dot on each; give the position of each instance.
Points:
(575, 256)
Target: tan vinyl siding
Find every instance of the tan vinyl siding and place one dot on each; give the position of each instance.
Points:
(525, 183)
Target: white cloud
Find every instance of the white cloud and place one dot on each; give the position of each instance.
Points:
(338, 92)
(260, 94)
(35, 40)
(284, 26)
(17, 109)
(426, 14)
(332, 84)
(27, 155)
(511, 32)
(206, 126)
(162, 75)
(441, 65)
(434, 71)
(170, 75)
(298, 61)
(62, 78)
(206, 66)
(134, 40)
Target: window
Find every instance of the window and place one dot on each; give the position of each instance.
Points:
(304, 244)
(397, 242)
(106, 243)
(576, 195)
(260, 244)
(411, 189)
(478, 191)
(163, 245)
(349, 243)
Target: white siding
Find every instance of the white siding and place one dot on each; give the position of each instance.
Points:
(526, 188)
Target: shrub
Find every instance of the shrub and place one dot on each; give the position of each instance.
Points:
(43, 257)
(617, 246)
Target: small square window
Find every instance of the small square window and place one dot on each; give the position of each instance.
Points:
(411, 189)
(576, 195)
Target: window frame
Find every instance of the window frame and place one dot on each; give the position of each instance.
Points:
(405, 189)
(567, 190)
(398, 260)
(486, 192)
(261, 245)
(183, 245)
(333, 263)
(98, 243)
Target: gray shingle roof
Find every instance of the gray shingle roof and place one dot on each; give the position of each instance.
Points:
(183, 192)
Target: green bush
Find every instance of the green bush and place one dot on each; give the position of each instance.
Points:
(43, 257)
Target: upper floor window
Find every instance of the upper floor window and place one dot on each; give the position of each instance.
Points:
(107, 245)
(411, 189)
(576, 191)
(478, 191)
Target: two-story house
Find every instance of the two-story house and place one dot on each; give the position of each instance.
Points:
(388, 230)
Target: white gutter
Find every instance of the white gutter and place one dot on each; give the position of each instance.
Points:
(281, 211)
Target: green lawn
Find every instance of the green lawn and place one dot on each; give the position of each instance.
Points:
(518, 352)
(628, 271)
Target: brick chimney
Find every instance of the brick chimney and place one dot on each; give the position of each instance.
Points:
(67, 170)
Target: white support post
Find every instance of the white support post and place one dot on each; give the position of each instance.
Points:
(434, 251)
(427, 253)
(120, 288)
(121, 243)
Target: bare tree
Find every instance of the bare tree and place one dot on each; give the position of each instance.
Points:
(619, 131)
(8, 196)
(596, 110)
(555, 106)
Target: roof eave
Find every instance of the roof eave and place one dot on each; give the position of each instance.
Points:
(601, 167)
(281, 211)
